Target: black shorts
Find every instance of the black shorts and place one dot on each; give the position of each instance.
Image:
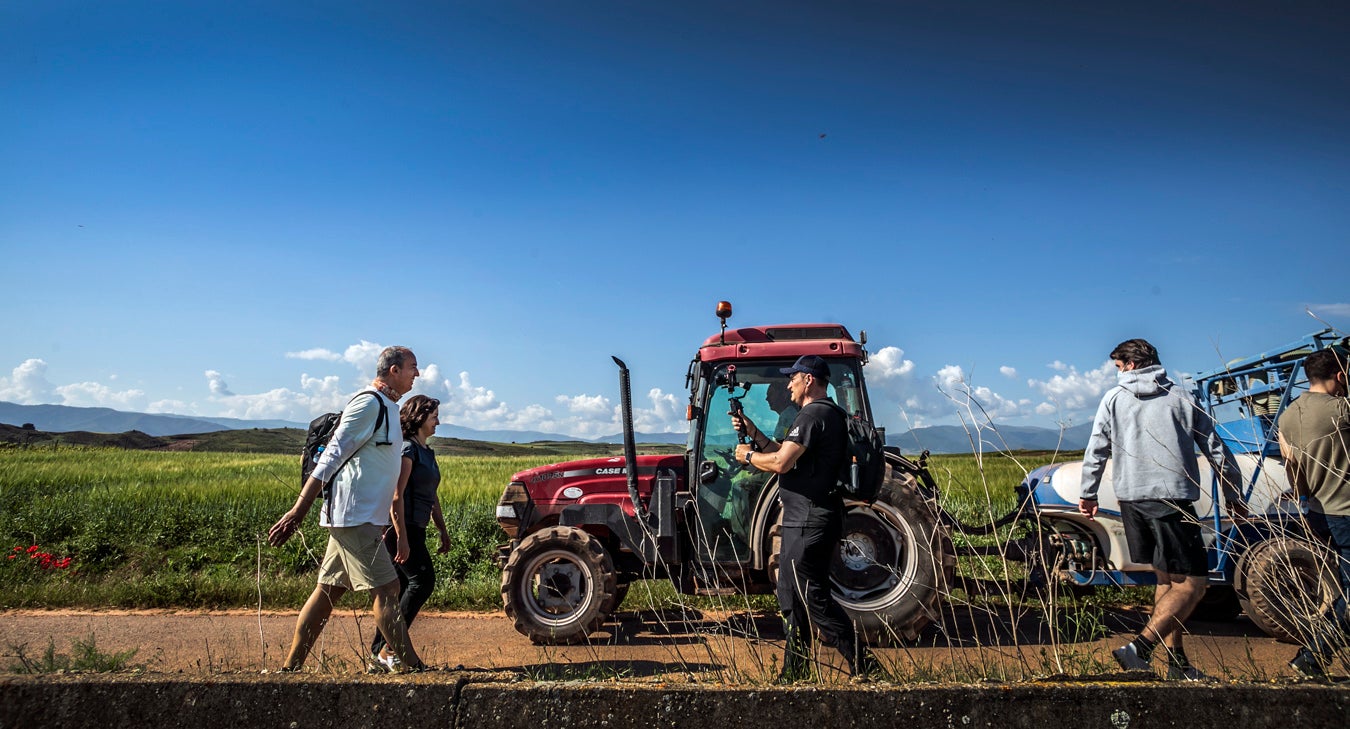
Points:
(1165, 534)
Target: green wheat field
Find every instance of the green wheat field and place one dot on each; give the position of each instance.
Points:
(106, 527)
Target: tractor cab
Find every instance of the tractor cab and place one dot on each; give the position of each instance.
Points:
(742, 369)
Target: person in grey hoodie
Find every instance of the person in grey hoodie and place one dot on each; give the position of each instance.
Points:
(1150, 428)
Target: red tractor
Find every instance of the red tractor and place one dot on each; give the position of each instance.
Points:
(582, 532)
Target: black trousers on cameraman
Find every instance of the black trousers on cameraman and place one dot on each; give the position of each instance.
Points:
(805, 600)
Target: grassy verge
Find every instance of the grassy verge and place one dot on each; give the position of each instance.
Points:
(155, 529)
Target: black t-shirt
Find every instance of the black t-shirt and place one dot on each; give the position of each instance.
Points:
(419, 496)
(808, 491)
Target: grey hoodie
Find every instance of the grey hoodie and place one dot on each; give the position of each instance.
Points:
(1150, 428)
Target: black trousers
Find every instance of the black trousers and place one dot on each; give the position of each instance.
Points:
(804, 596)
(416, 577)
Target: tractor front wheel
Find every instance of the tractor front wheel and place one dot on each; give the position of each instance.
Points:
(559, 586)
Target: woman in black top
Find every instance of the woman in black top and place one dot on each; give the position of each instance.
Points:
(416, 503)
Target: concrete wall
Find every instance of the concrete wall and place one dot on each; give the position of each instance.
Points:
(447, 700)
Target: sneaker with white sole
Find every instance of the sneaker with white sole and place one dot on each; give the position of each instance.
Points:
(1185, 673)
(1306, 665)
(1129, 659)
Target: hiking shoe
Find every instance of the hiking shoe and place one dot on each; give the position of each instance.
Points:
(1306, 665)
(1185, 673)
(1129, 659)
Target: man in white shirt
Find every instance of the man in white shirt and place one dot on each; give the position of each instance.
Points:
(362, 460)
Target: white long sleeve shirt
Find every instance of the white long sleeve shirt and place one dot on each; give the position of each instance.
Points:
(363, 490)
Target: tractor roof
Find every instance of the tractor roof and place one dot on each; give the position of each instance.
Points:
(781, 341)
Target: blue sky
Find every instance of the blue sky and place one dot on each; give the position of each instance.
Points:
(226, 208)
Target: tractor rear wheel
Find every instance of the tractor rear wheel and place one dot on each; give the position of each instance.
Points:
(559, 585)
(1286, 586)
(893, 564)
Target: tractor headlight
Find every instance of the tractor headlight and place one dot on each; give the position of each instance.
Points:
(511, 508)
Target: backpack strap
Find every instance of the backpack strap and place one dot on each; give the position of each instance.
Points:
(827, 402)
(383, 416)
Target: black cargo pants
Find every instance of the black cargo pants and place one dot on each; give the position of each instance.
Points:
(804, 596)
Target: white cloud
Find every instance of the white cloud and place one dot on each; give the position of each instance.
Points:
(363, 356)
(919, 401)
(94, 394)
(27, 384)
(1336, 310)
(470, 405)
(976, 403)
(950, 376)
(1008, 372)
(665, 415)
(169, 406)
(1074, 390)
(216, 383)
(587, 406)
(317, 353)
(891, 363)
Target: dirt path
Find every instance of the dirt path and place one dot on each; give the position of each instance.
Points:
(641, 645)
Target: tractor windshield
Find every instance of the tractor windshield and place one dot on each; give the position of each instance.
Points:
(730, 493)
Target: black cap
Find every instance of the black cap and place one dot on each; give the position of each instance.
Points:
(811, 365)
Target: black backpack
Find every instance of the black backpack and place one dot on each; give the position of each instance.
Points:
(864, 466)
(321, 432)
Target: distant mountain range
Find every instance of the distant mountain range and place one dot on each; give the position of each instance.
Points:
(63, 419)
(937, 439)
(955, 439)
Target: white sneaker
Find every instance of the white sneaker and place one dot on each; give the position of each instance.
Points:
(392, 663)
(1129, 659)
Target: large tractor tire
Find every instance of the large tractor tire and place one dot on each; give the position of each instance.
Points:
(894, 563)
(1286, 586)
(559, 586)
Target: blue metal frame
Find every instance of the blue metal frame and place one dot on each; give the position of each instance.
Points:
(1250, 383)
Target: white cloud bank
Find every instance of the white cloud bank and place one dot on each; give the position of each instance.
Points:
(1073, 390)
(897, 389)
(1332, 310)
(28, 385)
(463, 402)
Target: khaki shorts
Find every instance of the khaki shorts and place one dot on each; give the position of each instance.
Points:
(356, 558)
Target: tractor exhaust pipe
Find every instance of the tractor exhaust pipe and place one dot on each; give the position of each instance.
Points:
(629, 439)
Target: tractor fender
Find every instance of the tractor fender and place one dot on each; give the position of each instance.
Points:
(609, 517)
